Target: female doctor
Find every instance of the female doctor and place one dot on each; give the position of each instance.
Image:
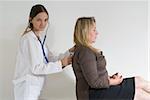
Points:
(34, 60)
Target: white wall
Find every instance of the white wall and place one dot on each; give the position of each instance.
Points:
(123, 36)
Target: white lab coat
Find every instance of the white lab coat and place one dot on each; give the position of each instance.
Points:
(31, 68)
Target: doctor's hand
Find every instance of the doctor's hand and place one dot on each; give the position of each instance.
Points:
(66, 61)
(72, 49)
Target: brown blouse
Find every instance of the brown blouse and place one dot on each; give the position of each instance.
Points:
(90, 71)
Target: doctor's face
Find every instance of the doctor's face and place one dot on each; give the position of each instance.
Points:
(93, 34)
(40, 21)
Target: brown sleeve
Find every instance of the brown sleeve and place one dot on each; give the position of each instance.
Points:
(87, 60)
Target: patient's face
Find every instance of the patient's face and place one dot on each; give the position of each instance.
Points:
(93, 34)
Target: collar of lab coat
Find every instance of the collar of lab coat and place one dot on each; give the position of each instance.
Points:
(34, 36)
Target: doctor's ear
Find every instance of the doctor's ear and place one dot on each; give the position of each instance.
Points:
(30, 20)
(30, 23)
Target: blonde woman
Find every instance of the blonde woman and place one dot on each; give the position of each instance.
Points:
(92, 79)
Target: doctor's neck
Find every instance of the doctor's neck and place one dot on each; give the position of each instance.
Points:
(37, 33)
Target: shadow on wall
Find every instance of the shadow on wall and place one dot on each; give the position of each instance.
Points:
(59, 87)
(7, 64)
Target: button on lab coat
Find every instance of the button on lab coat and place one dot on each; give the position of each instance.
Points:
(31, 68)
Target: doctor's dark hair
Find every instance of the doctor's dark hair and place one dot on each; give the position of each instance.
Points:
(35, 10)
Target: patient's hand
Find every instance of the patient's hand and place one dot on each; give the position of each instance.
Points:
(115, 79)
(116, 75)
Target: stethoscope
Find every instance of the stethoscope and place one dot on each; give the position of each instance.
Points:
(42, 45)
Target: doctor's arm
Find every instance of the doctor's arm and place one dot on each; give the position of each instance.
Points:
(55, 57)
(38, 67)
(50, 67)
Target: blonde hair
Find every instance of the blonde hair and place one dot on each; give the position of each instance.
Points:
(81, 31)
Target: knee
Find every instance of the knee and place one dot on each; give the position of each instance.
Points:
(139, 78)
(138, 82)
